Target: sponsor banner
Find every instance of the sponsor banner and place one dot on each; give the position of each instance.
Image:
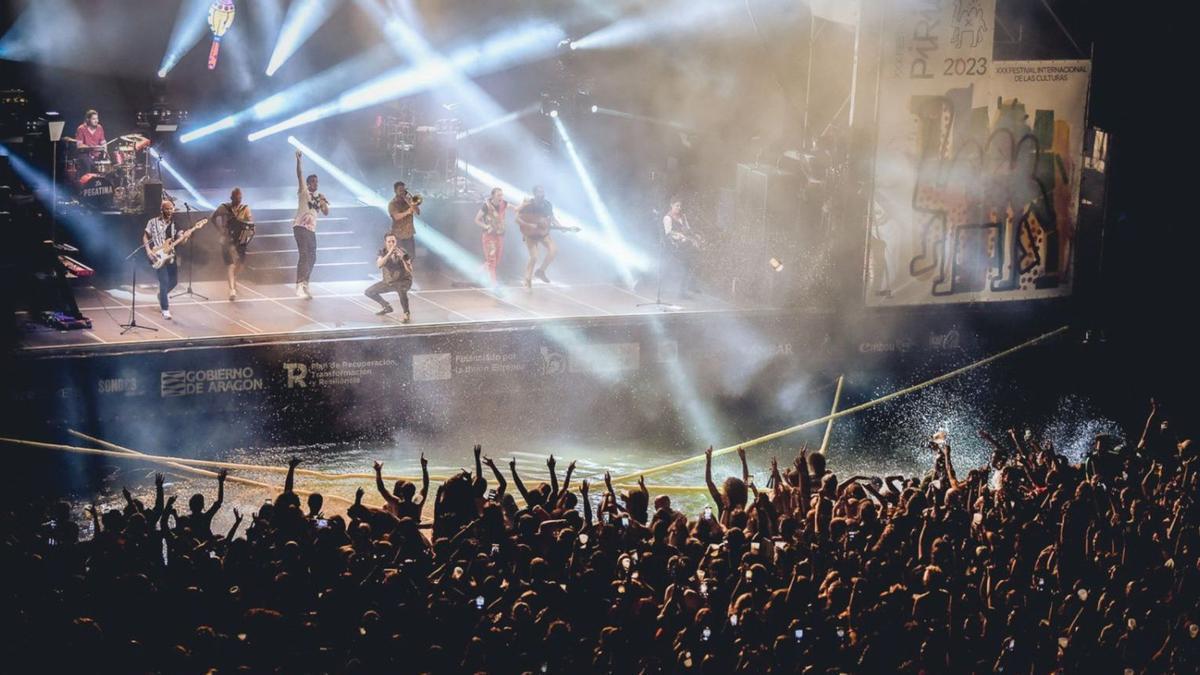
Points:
(978, 163)
(209, 381)
(321, 374)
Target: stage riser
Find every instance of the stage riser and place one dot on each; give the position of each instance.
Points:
(439, 382)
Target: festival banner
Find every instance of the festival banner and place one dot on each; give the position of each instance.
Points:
(977, 163)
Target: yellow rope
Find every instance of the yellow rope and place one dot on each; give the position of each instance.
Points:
(250, 467)
(837, 397)
(848, 411)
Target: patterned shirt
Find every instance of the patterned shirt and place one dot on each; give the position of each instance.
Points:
(159, 230)
(308, 207)
(402, 226)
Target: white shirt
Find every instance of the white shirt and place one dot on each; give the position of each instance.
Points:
(307, 209)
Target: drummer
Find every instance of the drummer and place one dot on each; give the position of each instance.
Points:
(89, 141)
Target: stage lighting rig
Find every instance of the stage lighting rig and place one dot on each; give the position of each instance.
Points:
(161, 118)
(550, 105)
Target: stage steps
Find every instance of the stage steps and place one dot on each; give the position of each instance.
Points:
(346, 246)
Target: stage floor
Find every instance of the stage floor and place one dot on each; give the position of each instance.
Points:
(273, 310)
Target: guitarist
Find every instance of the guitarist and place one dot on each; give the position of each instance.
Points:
(536, 218)
(233, 219)
(160, 230)
(491, 219)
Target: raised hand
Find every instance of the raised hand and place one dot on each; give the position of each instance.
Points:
(125, 493)
(490, 462)
(478, 450)
(222, 475)
(424, 462)
(293, 462)
(571, 467)
(358, 495)
(583, 488)
(550, 462)
(642, 483)
(378, 466)
(237, 515)
(512, 464)
(158, 479)
(741, 454)
(171, 504)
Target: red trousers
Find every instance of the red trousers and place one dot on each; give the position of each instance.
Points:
(493, 248)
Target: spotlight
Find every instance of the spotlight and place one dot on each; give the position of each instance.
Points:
(574, 46)
(162, 73)
(550, 105)
(595, 108)
(554, 113)
(775, 264)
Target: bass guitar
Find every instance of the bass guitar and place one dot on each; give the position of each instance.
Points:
(165, 254)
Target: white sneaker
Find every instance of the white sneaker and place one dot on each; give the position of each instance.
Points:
(166, 314)
(305, 289)
(301, 291)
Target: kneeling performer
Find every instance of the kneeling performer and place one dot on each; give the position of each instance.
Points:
(395, 265)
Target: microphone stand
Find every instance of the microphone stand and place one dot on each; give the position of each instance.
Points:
(188, 290)
(662, 245)
(133, 324)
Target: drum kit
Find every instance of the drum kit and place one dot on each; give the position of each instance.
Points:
(116, 176)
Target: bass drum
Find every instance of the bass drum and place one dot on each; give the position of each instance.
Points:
(96, 192)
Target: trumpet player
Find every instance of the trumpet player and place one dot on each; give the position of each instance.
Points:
(403, 209)
(396, 267)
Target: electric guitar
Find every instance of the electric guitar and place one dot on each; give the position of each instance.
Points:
(165, 254)
(540, 226)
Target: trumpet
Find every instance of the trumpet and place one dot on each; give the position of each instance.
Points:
(416, 200)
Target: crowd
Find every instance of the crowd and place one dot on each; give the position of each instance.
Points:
(1031, 564)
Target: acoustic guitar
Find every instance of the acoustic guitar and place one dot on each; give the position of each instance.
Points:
(540, 226)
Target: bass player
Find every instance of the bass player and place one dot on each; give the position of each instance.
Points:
(160, 239)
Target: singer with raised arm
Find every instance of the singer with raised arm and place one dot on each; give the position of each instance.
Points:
(160, 239)
(396, 267)
(309, 205)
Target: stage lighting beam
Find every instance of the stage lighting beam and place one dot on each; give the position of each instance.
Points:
(498, 53)
(599, 208)
(614, 250)
(183, 182)
(191, 23)
(303, 19)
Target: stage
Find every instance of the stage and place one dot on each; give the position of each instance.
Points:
(272, 311)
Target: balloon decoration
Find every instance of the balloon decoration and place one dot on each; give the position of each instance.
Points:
(220, 18)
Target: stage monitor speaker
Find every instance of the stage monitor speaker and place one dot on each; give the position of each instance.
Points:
(152, 195)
